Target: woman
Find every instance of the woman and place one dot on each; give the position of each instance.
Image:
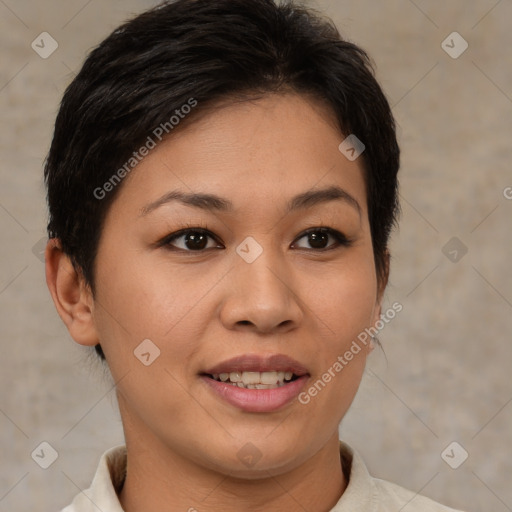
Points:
(222, 183)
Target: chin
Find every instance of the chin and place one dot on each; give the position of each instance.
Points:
(257, 457)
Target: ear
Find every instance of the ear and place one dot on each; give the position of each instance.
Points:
(72, 298)
(382, 282)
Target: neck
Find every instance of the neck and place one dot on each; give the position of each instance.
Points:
(159, 479)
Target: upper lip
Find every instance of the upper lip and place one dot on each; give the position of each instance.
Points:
(259, 363)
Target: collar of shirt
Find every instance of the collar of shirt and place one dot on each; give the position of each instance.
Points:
(363, 493)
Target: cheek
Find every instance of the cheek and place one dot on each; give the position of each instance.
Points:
(147, 330)
(341, 350)
(345, 298)
(354, 308)
(143, 297)
(344, 307)
(136, 302)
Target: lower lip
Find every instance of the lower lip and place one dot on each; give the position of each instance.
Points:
(257, 400)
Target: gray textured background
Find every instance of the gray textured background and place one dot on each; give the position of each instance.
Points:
(448, 375)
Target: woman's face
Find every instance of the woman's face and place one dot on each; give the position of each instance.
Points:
(254, 286)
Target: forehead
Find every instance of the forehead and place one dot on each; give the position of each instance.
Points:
(255, 153)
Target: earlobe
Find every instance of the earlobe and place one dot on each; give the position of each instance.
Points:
(382, 282)
(72, 299)
(383, 278)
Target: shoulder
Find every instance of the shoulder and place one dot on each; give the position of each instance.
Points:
(367, 494)
(392, 496)
(108, 480)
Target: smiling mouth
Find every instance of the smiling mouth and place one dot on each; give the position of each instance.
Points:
(255, 380)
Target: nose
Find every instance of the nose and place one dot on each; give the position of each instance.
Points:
(260, 296)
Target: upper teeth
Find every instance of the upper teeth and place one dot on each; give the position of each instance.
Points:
(247, 378)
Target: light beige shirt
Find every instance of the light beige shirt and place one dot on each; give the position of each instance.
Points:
(363, 493)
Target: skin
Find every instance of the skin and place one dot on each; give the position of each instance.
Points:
(201, 308)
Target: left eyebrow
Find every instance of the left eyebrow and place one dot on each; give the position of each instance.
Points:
(212, 202)
(314, 197)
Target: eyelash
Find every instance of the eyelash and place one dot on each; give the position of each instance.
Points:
(340, 238)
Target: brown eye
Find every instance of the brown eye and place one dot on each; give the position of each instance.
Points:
(190, 240)
(318, 238)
